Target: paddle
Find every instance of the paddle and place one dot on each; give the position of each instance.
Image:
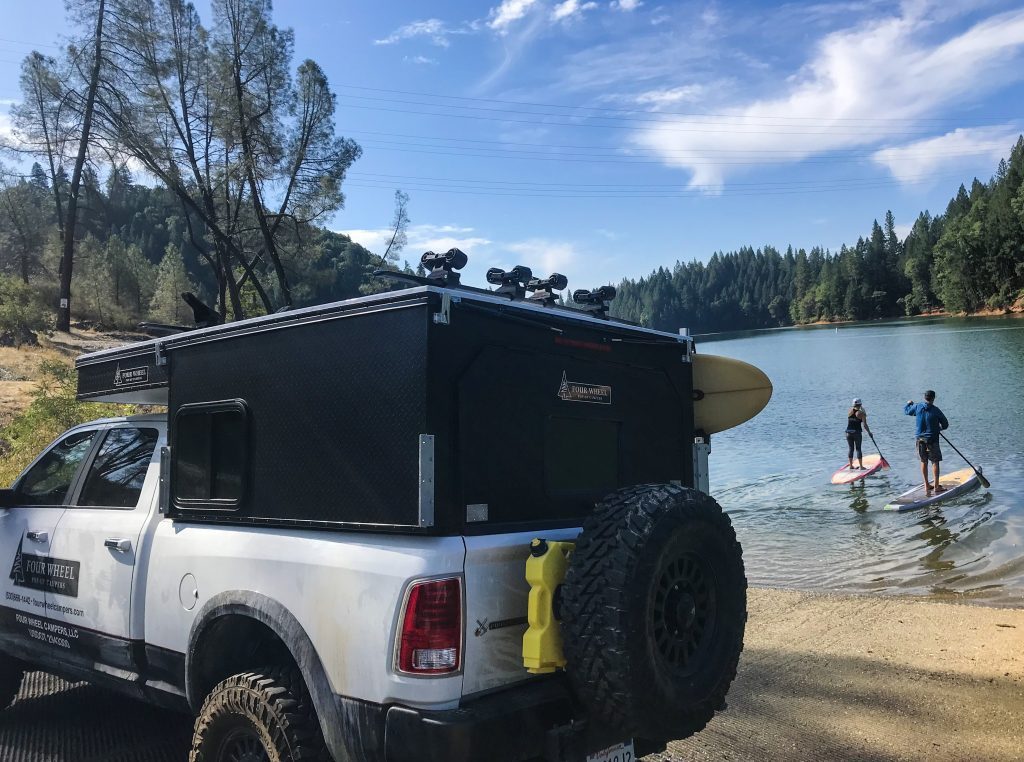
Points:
(981, 477)
(885, 463)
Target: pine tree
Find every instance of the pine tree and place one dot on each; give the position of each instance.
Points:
(172, 280)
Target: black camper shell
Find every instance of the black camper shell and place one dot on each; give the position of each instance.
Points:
(428, 410)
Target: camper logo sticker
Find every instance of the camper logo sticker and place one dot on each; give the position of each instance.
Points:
(131, 376)
(52, 575)
(577, 391)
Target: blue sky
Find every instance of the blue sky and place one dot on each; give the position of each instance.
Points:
(603, 138)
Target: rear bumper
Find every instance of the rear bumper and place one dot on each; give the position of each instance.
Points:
(513, 724)
(527, 722)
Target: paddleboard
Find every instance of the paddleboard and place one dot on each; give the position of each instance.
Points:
(726, 392)
(845, 475)
(956, 483)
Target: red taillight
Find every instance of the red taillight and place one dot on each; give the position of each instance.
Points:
(430, 636)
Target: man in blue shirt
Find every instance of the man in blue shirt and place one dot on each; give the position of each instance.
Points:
(930, 421)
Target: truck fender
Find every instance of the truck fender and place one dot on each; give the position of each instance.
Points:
(341, 720)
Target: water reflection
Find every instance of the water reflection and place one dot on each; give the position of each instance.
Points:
(936, 535)
(859, 502)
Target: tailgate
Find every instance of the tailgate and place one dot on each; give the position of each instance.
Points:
(496, 599)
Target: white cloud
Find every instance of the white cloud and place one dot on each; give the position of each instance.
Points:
(545, 256)
(864, 85)
(6, 131)
(421, 238)
(570, 9)
(670, 96)
(420, 60)
(626, 5)
(435, 29)
(373, 239)
(447, 228)
(911, 161)
(902, 231)
(507, 13)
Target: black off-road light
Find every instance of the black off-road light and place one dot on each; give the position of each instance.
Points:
(512, 282)
(595, 301)
(544, 288)
(442, 267)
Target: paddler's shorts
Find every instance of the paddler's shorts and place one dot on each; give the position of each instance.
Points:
(928, 449)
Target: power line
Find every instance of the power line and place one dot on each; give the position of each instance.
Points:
(615, 194)
(643, 111)
(768, 184)
(660, 157)
(734, 128)
(30, 44)
(799, 152)
(535, 123)
(585, 159)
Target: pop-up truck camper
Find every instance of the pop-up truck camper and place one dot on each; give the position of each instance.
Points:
(436, 523)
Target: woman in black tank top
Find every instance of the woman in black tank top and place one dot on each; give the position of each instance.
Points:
(855, 418)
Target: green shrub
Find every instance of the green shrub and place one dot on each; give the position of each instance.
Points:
(21, 312)
(53, 410)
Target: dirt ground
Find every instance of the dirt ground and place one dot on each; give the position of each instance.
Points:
(19, 367)
(823, 677)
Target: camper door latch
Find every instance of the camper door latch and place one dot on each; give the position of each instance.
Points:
(444, 317)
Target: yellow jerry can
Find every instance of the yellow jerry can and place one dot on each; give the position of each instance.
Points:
(545, 570)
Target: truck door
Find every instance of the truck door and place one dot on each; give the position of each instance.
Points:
(26, 539)
(99, 532)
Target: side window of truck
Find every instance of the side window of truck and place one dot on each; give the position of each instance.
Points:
(48, 481)
(209, 455)
(119, 470)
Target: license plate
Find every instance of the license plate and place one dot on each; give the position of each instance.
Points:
(622, 752)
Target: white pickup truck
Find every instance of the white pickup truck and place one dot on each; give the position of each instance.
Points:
(314, 577)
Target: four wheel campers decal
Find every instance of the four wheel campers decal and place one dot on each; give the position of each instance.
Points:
(577, 391)
(131, 376)
(53, 575)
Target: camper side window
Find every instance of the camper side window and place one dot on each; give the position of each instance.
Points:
(209, 454)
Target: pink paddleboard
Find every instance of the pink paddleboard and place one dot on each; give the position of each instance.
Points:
(845, 475)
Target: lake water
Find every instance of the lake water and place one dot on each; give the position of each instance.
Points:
(772, 473)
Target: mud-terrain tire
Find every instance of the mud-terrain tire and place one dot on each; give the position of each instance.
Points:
(654, 606)
(11, 674)
(258, 716)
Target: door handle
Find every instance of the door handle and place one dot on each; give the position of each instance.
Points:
(118, 544)
(37, 536)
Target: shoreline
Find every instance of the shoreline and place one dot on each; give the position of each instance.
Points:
(960, 601)
(1017, 310)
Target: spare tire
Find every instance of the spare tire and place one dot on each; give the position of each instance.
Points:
(654, 605)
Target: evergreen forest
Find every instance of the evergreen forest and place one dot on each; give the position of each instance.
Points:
(968, 259)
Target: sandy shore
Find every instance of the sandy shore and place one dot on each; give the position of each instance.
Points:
(827, 677)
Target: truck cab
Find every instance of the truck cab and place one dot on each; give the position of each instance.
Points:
(84, 503)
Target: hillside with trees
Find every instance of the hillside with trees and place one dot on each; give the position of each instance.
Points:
(234, 145)
(968, 259)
